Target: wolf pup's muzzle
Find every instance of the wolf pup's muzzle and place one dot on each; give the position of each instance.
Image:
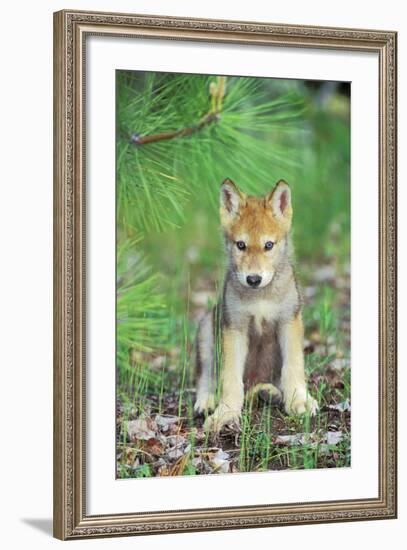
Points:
(253, 280)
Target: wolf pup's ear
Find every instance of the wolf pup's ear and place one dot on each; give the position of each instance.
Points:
(231, 199)
(280, 202)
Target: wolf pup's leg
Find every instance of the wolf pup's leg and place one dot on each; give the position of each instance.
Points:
(293, 385)
(205, 397)
(234, 352)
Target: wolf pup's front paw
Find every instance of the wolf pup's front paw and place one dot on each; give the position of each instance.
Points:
(300, 403)
(204, 402)
(223, 415)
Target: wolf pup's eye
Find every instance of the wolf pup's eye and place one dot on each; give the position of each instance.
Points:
(269, 245)
(240, 245)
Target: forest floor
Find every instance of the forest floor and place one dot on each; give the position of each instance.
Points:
(158, 434)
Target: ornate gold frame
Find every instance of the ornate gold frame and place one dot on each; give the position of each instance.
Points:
(70, 31)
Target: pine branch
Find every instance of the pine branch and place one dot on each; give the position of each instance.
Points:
(208, 119)
(217, 93)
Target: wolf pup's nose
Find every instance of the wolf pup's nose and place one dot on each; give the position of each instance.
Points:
(253, 280)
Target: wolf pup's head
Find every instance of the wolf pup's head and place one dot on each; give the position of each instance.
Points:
(256, 231)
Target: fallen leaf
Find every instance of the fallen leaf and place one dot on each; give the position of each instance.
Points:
(220, 462)
(165, 421)
(141, 428)
(333, 438)
(160, 462)
(341, 407)
(287, 440)
(175, 440)
(179, 466)
(296, 439)
(163, 471)
(178, 446)
(175, 453)
(153, 446)
(200, 434)
(130, 455)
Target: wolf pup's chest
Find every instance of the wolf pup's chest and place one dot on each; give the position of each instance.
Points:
(262, 312)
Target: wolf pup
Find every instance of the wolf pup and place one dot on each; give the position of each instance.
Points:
(260, 312)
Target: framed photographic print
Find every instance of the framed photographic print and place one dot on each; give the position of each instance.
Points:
(225, 274)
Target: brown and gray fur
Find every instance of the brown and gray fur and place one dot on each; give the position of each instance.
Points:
(259, 315)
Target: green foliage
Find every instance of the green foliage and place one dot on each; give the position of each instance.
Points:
(140, 309)
(155, 181)
(169, 243)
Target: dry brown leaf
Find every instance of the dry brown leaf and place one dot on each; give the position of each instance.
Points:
(130, 455)
(165, 421)
(179, 466)
(153, 446)
(142, 428)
